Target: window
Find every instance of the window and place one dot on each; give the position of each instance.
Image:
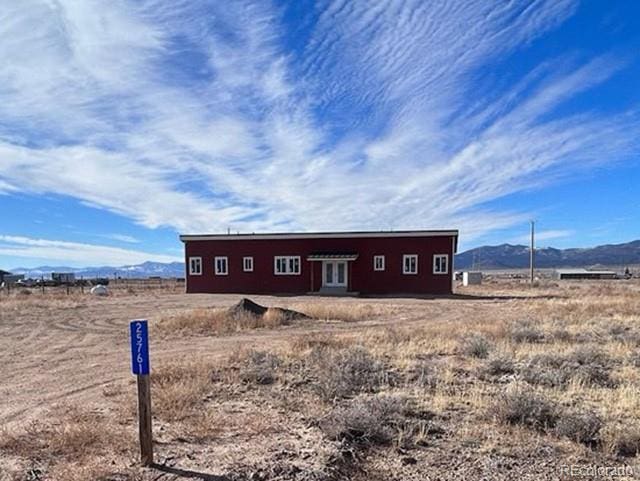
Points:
(286, 265)
(410, 264)
(195, 266)
(441, 264)
(221, 265)
(247, 264)
(378, 263)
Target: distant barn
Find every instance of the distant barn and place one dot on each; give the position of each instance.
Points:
(3, 274)
(9, 278)
(566, 274)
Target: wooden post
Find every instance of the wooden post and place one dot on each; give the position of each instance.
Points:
(42, 282)
(144, 419)
(140, 367)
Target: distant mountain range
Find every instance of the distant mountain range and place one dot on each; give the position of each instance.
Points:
(146, 269)
(507, 256)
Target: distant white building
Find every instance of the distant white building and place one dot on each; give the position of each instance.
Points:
(565, 274)
(472, 278)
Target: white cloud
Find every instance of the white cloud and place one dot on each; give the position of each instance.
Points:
(99, 110)
(122, 238)
(76, 253)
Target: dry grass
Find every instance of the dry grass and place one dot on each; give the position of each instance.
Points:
(544, 377)
(476, 345)
(179, 388)
(524, 406)
(581, 427)
(339, 373)
(367, 420)
(335, 311)
(75, 445)
(18, 303)
(500, 365)
(259, 367)
(24, 301)
(217, 321)
(623, 439)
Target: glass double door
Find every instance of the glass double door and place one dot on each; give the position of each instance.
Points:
(334, 273)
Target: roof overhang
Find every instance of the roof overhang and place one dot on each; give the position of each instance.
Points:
(320, 235)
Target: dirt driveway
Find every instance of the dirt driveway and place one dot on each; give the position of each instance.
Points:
(70, 350)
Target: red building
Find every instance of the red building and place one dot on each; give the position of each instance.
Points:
(401, 262)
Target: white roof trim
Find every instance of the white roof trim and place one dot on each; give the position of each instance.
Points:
(320, 235)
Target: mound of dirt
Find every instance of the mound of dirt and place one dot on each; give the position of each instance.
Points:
(247, 307)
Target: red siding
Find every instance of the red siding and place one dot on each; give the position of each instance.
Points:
(362, 277)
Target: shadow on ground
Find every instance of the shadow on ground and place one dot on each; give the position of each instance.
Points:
(189, 474)
(466, 297)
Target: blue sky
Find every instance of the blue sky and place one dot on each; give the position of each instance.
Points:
(125, 123)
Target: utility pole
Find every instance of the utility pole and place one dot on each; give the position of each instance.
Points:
(531, 252)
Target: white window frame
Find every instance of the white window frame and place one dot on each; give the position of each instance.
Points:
(192, 271)
(406, 257)
(441, 256)
(375, 263)
(217, 271)
(247, 264)
(288, 268)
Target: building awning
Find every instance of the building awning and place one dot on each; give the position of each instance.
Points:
(332, 256)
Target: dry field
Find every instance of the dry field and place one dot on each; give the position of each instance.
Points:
(500, 382)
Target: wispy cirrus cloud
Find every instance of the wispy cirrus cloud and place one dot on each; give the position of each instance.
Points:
(122, 238)
(75, 252)
(202, 117)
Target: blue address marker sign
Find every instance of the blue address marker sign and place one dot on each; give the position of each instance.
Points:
(139, 346)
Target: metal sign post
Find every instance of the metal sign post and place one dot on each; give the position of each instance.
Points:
(140, 367)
